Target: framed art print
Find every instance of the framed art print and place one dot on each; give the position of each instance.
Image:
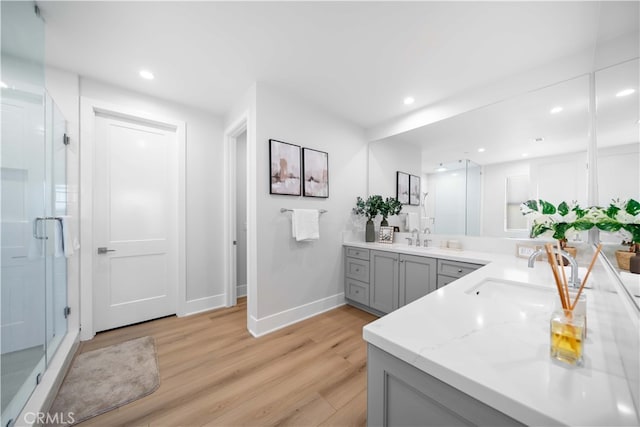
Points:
(402, 187)
(385, 235)
(414, 190)
(315, 166)
(284, 170)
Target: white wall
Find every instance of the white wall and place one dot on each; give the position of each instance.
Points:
(297, 280)
(618, 173)
(204, 192)
(385, 159)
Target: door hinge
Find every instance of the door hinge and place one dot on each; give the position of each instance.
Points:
(66, 140)
(67, 312)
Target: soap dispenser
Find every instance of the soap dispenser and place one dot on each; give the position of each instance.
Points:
(634, 263)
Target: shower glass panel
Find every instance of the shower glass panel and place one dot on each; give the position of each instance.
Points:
(55, 207)
(32, 168)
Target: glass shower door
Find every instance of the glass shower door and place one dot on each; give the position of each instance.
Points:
(22, 345)
(22, 170)
(55, 211)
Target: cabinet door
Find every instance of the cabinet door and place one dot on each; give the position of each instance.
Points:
(417, 277)
(383, 281)
(456, 268)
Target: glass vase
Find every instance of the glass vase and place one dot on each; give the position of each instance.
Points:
(567, 334)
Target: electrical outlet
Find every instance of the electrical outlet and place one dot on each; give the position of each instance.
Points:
(524, 251)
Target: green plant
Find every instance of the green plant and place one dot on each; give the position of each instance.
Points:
(370, 207)
(620, 216)
(545, 217)
(390, 207)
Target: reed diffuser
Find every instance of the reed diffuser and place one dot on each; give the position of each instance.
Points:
(567, 327)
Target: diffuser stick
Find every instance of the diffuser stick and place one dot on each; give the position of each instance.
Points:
(586, 276)
(565, 285)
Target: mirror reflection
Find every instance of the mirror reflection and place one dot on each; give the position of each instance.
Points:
(477, 167)
(618, 155)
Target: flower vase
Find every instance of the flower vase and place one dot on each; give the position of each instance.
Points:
(370, 232)
(384, 222)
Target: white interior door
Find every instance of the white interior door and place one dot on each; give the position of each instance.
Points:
(135, 222)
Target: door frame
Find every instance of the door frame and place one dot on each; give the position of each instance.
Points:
(231, 135)
(89, 108)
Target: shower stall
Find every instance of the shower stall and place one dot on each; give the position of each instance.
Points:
(33, 298)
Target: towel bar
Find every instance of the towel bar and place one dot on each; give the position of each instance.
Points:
(291, 210)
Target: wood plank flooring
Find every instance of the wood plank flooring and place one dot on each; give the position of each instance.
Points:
(214, 373)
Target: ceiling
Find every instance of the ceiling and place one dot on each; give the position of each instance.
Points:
(358, 60)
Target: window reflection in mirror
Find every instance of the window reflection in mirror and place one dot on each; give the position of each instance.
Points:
(517, 190)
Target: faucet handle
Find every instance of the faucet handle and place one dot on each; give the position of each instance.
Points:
(410, 240)
(426, 242)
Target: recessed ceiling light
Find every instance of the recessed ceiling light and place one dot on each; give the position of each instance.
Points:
(481, 150)
(538, 139)
(525, 154)
(147, 75)
(3, 85)
(625, 92)
(555, 110)
(409, 100)
(441, 168)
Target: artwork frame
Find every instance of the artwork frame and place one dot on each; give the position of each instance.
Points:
(283, 155)
(315, 173)
(414, 190)
(402, 187)
(385, 235)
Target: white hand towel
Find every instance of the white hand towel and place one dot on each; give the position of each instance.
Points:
(70, 241)
(58, 239)
(305, 224)
(413, 221)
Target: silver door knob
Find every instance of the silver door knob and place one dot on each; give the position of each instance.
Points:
(102, 251)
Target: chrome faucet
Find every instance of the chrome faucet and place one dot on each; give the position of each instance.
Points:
(574, 280)
(415, 230)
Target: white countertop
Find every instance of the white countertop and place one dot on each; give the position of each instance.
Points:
(497, 349)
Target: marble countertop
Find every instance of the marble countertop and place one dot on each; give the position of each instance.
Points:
(496, 349)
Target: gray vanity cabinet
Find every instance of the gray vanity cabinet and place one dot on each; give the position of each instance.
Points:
(417, 277)
(383, 281)
(399, 394)
(356, 271)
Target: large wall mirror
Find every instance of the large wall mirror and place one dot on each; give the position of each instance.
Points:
(618, 154)
(476, 168)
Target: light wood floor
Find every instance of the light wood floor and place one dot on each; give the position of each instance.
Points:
(214, 373)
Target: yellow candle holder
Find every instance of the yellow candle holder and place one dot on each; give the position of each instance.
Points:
(567, 334)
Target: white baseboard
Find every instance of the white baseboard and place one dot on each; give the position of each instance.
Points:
(265, 325)
(241, 291)
(199, 305)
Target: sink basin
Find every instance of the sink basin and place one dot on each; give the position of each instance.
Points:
(523, 294)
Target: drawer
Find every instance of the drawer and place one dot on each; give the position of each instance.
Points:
(358, 253)
(357, 269)
(357, 291)
(456, 268)
(445, 280)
